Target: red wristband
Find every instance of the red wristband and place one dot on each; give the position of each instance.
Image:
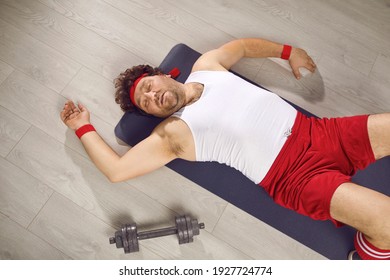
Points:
(286, 52)
(84, 129)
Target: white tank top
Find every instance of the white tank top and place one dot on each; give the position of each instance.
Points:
(237, 123)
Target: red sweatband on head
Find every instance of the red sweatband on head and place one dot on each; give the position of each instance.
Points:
(175, 72)
(84, 129)
(286, 52)
(133, 86)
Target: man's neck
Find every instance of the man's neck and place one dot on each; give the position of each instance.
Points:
(193, 92)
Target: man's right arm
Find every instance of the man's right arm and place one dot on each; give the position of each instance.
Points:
(147, 156)
(150, 154)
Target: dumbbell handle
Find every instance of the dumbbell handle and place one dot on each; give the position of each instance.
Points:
(156, 233)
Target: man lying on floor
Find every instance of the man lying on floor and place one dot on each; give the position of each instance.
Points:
(305, 164)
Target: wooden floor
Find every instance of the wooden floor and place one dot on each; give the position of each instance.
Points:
(54, 204)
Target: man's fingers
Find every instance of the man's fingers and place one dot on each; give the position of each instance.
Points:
(81, 107)
(313, 66)
(70, 105)
(310, 65)
(297, 74)
(69, 111)
(66, 115)
(63, 115)
(75, 108)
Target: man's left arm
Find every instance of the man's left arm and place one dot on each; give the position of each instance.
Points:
(230, 53)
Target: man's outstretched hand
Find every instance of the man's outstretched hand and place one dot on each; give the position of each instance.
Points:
(299, 58)
(75, 116)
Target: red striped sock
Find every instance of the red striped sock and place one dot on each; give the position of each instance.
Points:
(367, 251)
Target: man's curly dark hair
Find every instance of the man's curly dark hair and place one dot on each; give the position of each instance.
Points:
(124, 82)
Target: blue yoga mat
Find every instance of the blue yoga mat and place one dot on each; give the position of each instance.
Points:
(234, 187)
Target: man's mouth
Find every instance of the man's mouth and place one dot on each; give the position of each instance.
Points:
(162, 99)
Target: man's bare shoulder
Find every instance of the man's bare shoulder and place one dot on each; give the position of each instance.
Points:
(222, 58)
(175, 133)
(208, 62)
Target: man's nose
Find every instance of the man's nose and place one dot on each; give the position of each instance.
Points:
(150, 95)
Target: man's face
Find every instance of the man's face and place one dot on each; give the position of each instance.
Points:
(158, 95)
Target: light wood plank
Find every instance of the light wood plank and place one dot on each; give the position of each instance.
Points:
(77, 233)
(372, 19)
(174, 22)
(5, 71)
(68, 37)
(257, 239)
(356, 25)
(380, 70)
(116, 26)
(34, 58)
(355, 87)
(22, 196)
(12, 128)
(16, 243)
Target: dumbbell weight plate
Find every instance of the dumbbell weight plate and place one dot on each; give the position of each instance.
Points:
(186, 233)
(189, 229)
(182, 232)
(179, 226)
(125, 242)
(195, 226)
(131, 239)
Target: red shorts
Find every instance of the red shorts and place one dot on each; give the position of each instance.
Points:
(316, 159)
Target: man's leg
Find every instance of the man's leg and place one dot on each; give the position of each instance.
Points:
(364, 209)
(379, 134)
